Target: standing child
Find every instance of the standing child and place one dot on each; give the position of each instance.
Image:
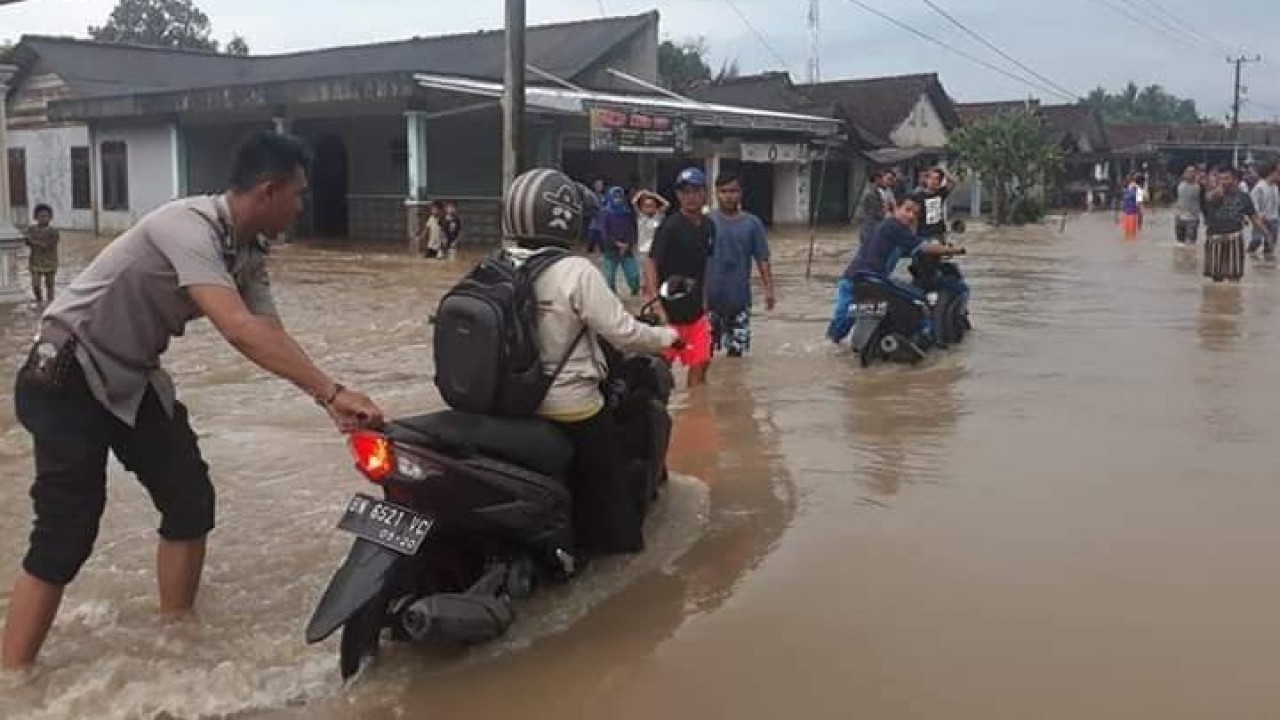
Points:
(1131, 206)
(43, 260)
(432, 233)
(452, 226)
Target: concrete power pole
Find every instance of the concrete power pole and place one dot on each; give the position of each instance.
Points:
(513, 95)
(1235, 106)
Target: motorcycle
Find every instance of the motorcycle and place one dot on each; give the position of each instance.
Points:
(474, 514)
(899, 323)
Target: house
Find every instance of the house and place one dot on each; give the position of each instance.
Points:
(1162, 150)
(107, 132)
(901, 121)
(1079, 134)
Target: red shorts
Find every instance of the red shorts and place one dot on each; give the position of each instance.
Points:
(697, 343)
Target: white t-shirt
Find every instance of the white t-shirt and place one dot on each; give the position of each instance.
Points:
(646, 228)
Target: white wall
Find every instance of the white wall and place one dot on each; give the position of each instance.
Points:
(48, 155)
(922, 128)
(152, 171)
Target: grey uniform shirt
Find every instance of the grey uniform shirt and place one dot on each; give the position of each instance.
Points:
(126, 305)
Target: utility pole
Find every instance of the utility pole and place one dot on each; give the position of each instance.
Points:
(513, 95)
(1235, 106)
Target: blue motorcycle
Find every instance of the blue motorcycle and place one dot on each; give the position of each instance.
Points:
(897, 322)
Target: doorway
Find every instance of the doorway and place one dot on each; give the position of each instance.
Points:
(329, 188)
(757, 186)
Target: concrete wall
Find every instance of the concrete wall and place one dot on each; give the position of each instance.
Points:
(152, 171)
(923, 128)
(464, 155)
(210, 151)
(790, 193)
(48, 155)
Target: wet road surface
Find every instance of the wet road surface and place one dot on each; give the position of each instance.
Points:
(1073, 515)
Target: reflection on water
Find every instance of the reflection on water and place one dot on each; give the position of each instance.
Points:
(1080, 496)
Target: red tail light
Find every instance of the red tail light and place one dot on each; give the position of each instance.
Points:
(374, 456)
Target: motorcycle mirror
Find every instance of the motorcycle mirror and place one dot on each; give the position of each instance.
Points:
(957, 227)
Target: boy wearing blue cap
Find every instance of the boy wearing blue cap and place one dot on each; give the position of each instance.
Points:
(681, 249)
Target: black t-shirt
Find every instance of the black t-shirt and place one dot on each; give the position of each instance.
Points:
(452, 226)
(1227, 214)
(682, 247)
(933, 212)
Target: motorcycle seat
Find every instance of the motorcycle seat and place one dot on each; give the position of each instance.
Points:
(529, 442)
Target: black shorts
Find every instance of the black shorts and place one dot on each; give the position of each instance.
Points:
(72, 433)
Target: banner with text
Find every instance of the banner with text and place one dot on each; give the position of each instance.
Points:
(617, 129)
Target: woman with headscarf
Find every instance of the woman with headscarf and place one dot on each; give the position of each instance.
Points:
(619, 239)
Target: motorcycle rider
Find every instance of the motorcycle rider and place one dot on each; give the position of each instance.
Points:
(544, 212)
(892, 241)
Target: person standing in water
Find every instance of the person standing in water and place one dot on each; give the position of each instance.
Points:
(1186, 224)
(42, 262)
(1131, 208)
(1226, 208)
(619, 230)
(681, 249)
(740, 242)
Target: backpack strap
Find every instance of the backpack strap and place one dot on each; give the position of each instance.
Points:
(531, 269)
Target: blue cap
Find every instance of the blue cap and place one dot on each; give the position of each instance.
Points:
(691, 177)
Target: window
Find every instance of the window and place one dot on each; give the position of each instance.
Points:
(115, 175)
(81, 187)
(17, 177)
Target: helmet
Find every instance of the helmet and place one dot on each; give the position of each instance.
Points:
(691, 177)
(545, 207)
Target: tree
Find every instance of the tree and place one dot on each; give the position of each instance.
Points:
(1013, 155)
(237, 46)
(683, 66)
(164, 23)
(1150, 104)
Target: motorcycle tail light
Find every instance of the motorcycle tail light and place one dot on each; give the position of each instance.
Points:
(374, 455)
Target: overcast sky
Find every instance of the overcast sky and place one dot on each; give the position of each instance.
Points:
(1079, 44)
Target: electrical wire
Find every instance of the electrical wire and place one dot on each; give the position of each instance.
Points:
(968, 56)
(1141, 21)
(1183, 26)
(763, 40)
(1064, 92)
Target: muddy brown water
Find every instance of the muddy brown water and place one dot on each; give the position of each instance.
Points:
(1073, 515)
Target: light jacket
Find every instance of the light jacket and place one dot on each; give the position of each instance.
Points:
(572, 294)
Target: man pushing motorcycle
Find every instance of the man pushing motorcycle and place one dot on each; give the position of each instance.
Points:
(93, 381)
(891, 242)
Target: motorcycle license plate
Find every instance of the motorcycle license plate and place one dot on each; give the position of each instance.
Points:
(875, 310)
(392, 526)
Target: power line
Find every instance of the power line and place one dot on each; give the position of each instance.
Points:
(953, 49)
(1188, 27)
(1139, 20)
(1073, 96)
(763, 40)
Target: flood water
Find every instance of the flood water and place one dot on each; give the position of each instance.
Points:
(1073, 515)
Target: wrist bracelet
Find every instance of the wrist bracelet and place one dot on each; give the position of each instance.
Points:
(326, 402)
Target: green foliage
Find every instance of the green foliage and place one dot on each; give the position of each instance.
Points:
(237, 46)
(163, 23)
(1150, 104)
(1015, 157)
(683, 66)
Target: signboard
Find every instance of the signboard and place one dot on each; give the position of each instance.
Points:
(775, 152)
(617, 129)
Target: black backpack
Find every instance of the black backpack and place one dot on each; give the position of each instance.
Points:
(486, 339)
